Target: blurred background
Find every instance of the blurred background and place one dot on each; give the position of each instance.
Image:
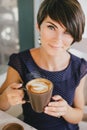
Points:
(9, 41)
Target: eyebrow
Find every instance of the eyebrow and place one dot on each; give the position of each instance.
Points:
(53, 24)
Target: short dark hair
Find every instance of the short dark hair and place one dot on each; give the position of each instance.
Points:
(66, 12)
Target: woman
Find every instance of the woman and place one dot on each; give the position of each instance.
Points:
(60, 23)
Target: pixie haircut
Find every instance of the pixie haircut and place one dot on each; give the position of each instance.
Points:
(67, 13)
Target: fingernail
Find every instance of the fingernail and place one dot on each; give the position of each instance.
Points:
(49, 104)
(20, 84)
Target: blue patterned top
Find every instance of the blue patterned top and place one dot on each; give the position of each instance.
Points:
(65, 83)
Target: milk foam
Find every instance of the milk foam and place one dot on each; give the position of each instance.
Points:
(39, 86)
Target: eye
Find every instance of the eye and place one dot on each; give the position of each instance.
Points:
(51, 27)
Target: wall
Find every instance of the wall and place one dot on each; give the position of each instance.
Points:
(26, 28)
(36, 34)
(84, 6)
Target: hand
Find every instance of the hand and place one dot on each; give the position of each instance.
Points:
(14, 95)
(57, 108)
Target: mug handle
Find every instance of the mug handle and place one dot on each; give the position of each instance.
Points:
(26, 95)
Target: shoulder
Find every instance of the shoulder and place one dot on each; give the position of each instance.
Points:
(17, 56)
(78, 61)
(79, 65)
(23, 53)
(16, 59)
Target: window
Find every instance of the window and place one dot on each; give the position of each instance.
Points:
(9, 42)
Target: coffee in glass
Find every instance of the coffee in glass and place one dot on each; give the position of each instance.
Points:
(40, 92)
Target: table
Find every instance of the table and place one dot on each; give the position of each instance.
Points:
(6, 118)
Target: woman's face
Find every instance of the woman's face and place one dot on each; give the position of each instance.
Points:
(54, 37)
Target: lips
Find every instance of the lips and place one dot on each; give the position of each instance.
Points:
(55, 47)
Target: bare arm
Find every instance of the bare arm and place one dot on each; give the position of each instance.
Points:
(71, 114)
(9, 92)
(74, 115)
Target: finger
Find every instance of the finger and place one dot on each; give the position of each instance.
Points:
(53, 113)
(20, 92)
(55, 109)
(16, 85)
(20, 102)
(57, 103)
(57, 97)
(15, 95)
(23, 102)
(16, 101)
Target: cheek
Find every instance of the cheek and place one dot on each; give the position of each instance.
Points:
(45, 36)
(68, 41)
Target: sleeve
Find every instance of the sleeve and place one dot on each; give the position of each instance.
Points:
(83, 68)
(16, 63)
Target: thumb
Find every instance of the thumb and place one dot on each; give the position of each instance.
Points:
(16, 85)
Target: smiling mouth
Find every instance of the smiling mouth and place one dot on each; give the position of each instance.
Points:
(56, 47)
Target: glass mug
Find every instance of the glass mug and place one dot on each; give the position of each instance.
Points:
(13, 126)
(39, 91)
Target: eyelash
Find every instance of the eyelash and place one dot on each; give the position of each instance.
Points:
(51, 27)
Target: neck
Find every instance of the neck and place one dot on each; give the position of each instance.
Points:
(54, 62)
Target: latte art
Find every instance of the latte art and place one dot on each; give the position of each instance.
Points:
(39, 87)
(40, 92)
